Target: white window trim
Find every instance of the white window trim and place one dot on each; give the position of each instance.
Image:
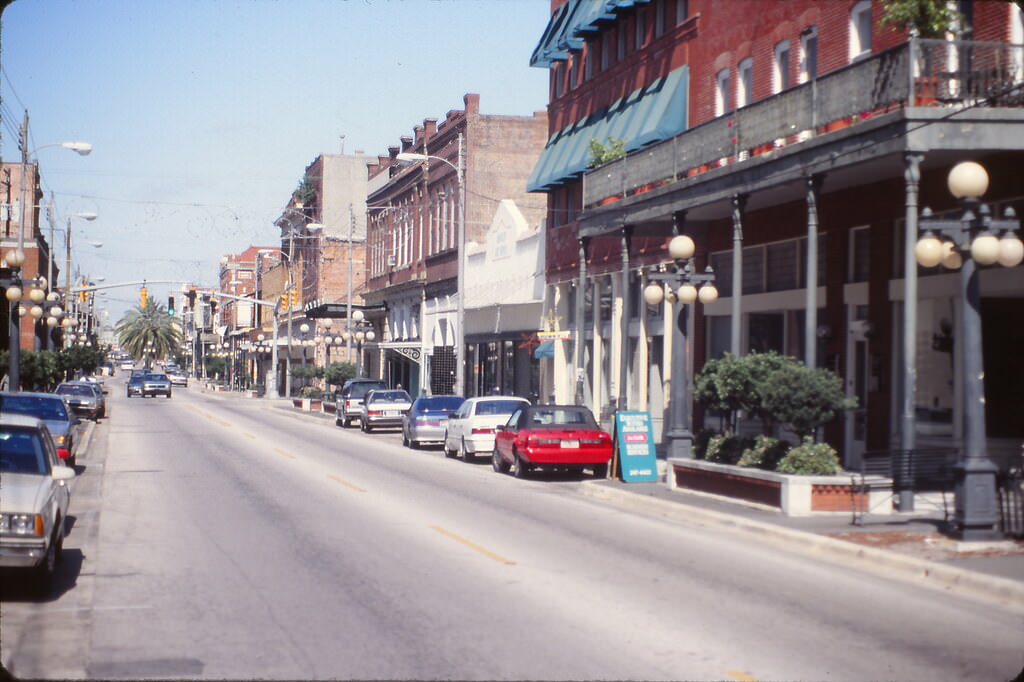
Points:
(745, 83)
(723, 88)
(780, 66)
(858, 50)
(811, 33)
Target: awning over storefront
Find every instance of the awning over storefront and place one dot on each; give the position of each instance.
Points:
(655, 112)
(546, 349)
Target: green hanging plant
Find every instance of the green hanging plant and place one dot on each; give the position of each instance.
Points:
(929, 18)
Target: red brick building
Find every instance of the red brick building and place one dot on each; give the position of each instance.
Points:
(412, 240)
(794, 142)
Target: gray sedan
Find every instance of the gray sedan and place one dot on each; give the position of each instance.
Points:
(425, 420)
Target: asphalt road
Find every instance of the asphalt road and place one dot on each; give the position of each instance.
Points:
(216, 537)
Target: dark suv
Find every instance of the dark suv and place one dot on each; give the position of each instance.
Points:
(350, 399)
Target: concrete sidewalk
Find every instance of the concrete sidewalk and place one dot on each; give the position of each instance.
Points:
(916, 547)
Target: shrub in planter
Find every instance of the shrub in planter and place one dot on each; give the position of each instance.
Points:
(766, 453)
(804, 398)
(727, 449)
(311, 392)
(700, 443)
(810, 459)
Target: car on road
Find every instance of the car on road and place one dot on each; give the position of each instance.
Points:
(34, 504)
(63, 424)
(134, 386)
(350, 399)
(156, 384)
(178, 378)
(470, 430)
(84, 397)
(127, 364)
(384, 407)
(552, 437)
(425, 420)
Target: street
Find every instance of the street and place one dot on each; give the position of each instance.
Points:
(218, 537)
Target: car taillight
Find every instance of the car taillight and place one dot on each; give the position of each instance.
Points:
(480, 431)
(425, 421)
(374, 412)
(590, 441)
(63, 453)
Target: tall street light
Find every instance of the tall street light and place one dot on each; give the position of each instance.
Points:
(683, 284)
(16, 259)
(971, 240)
(406, 158)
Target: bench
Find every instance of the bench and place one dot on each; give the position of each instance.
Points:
(896, 471)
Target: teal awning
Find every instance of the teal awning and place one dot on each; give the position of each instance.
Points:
(546, 349)
(571, 22)
(655, 112)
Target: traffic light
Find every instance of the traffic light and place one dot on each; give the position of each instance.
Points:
(191, 295)
(294, 299)
(213, 306)
(170, 305)
(143, 297)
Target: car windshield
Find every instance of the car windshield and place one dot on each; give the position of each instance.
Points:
(498, 406)
(156, 377)
(360, 390)
(390, 397)
(42, 408)
(559, 416)
(75, 390)
(21, 451)
(439, 404)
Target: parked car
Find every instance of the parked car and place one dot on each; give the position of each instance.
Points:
(470, 431)
(384, 407)
(84, 397)
(134, 386)
(552, 437)
(156, 384)
(178, 378)
(350, 399)
(35, 499)
(63, 424)
(425, 420)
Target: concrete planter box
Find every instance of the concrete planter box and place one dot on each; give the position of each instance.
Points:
(307, 404)
(794, 495)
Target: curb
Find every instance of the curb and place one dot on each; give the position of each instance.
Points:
(1008, 594)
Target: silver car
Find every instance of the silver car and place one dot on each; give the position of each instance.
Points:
(384, 408)
(35, 499)
(425, 420)
(63, 423)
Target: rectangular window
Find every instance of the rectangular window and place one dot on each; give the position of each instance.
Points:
(621, 36)
(640, 28)
(574, 71)
(808, 54)
(722, 92)
(558, 77)
(860, 30)
(588, 60)
(767, 331)
(860, 254)
(682, 11)
(745, 91)
(605, 43)
(659, 18)
(780, 72)
(783, 271)
(721, 262)
(753, 270)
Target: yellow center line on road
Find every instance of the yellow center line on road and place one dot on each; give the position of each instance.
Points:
(208, 415)
(248, 435)
(475, 547)
(346, 483)
(740, 676)
(284, 452)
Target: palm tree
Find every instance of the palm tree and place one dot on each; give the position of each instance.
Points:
(149, 332)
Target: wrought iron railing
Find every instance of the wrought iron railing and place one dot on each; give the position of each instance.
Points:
(916, 73)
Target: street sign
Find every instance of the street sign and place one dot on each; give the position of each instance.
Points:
(558, 335)
(634, 438)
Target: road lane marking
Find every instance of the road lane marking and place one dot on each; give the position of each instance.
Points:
(350, 485)
(208, 415)
(740, 676)
(475, 547)
(248, 435)
(284, 452)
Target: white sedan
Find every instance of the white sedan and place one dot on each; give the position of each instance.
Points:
(470, 431)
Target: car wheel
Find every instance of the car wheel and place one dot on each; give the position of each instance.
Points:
(168, 395)
(521, 470)
(601, 470)
(498, 463)
(464, 454)
(47, 569)
(405, 439)
(444, 447)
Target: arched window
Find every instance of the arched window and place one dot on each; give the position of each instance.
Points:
(722, 92)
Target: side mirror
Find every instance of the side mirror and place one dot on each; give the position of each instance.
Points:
(62, 473)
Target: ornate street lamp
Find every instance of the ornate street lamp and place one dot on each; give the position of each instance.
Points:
(975, 238)
(359, 330)
(686, 287)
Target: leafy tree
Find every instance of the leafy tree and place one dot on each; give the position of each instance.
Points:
(337, 373)
(730, 384)
(40, 370)
(78, 360)
(215, 366)
(149, 333)
(804, 398)
(929, 18)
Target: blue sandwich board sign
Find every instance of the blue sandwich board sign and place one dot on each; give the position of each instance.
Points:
(635, 440)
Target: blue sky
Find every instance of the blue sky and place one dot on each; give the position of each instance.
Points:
(204, 113)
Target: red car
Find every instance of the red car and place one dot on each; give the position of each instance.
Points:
(551, 437)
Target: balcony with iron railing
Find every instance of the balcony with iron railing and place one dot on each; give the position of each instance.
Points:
(918, 73)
